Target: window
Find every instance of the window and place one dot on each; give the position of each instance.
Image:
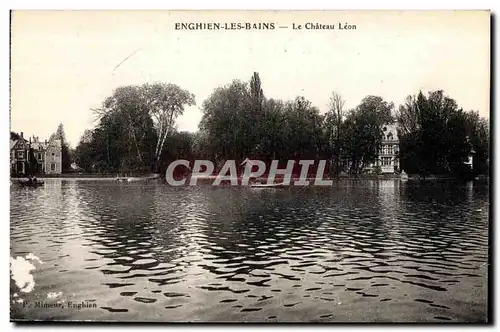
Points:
(20, 154)
(386, 161)
(53, 166)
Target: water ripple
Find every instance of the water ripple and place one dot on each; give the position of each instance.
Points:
(411, 252)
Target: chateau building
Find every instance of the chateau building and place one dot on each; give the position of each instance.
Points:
(35, 156)
(18, 155)
(388, 154)
(388, 159)
(53, 157)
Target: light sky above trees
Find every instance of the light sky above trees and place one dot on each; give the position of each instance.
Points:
(66, 63)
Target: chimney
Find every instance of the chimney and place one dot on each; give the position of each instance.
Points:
(21, 134)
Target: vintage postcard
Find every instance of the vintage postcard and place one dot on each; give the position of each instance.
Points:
(250, 166)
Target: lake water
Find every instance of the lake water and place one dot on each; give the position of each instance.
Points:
(359, 251)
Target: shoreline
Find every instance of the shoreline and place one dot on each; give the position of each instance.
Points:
(207, 178)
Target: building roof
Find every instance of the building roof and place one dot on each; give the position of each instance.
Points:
(54, 143)
(390, 130)
(13, 143)
(38, 145)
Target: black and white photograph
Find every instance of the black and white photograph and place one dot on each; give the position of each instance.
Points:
(233, 166)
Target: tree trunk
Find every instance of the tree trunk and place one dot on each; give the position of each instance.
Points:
(162, 136)
(134, 138)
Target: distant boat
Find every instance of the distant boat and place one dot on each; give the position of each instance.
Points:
(134, 179)
(266, 185)
(153, 176)
(27, 183)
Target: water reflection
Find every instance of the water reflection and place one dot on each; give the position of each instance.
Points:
(357, 251)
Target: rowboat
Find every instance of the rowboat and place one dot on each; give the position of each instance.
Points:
(267, 185)
(135, 179)
(27, 183)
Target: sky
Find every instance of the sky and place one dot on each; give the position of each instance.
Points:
(65, 63)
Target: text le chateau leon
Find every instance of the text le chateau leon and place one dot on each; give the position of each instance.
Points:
(321, 26)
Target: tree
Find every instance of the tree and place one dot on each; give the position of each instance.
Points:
(180, 146)
(479, 134)
(273, 128)
(437, 136)
(127, 107)
(302, 129)
(136, 130)
(133, 126)
(14, 136)
(361, 132)
(224, 121)
(83, 154)
(65, 149)
(165, 102)
(333, 124)
(256, 93)
(86, 136)
(239, 122)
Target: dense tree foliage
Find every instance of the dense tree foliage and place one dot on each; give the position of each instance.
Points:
(239, 122)
(333, 123)
(133, 126)
(136, 130)
(437, 137)
(361, 132)
(14, 136)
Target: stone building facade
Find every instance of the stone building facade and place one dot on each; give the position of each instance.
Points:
(388, 154)
(47, 154)
(388, 159)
